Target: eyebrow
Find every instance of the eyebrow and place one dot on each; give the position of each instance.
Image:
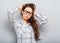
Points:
(28, 11)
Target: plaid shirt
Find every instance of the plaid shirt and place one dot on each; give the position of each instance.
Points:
(24, 32)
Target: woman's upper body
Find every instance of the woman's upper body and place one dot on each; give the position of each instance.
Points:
(20, 26)
(13, 12)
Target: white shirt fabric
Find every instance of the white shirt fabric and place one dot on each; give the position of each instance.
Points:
(24, 32)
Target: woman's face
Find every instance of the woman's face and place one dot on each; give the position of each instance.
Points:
(27, 13)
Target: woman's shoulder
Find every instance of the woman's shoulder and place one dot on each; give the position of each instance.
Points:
(18, 22)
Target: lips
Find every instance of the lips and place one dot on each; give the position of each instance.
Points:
(26, 16)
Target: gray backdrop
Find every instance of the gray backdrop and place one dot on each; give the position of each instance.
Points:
(49, 32)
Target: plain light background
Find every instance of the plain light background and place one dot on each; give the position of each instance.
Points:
(50, 32)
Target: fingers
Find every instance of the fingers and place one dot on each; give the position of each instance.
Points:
(20, 7)
(35, 12)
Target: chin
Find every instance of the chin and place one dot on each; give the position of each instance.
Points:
(27, 18)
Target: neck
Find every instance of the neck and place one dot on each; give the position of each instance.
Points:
(25, 20)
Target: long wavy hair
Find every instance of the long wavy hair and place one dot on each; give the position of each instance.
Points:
(32, 20)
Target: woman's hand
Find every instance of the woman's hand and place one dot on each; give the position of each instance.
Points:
(20, 7)
(35, 12)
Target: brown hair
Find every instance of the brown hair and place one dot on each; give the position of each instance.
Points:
(32, 20)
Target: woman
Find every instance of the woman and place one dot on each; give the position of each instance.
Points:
(27, 28)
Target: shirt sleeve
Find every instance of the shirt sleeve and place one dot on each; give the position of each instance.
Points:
(18, 27)
(42, 19)
(11, 12)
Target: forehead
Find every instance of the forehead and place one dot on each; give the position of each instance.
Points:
(28, 9)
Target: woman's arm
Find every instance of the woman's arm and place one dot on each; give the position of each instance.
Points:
(20, 7)
(42, 19)
(12, 11)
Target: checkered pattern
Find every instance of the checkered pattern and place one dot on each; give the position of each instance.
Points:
(26, 39)
(23, 32)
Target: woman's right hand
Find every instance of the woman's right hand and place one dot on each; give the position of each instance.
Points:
(20, 7)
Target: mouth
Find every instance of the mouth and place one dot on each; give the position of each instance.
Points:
(26, 16)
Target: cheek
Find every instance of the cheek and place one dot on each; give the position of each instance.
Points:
(30, 16)
(26, 16)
